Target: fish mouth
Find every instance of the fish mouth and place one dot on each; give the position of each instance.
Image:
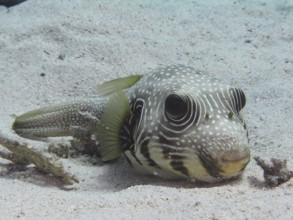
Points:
(236, 160)
(233, 163)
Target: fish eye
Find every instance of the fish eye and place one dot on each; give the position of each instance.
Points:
(176, 106)
(138, 110)
(137, 107)
(238, 99)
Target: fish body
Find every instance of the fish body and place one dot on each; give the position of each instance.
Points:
(173, 122)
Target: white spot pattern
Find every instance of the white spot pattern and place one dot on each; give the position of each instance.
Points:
(207, 131)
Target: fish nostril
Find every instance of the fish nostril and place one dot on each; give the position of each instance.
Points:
(207, 116)
(230, 115)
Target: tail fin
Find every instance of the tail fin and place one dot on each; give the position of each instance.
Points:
(72, 119)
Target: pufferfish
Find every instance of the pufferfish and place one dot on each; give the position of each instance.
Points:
(173, 122)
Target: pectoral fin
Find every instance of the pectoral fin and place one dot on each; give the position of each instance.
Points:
(108, 132)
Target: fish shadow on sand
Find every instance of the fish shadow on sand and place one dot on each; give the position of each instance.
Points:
(116, 176)
(120, 176)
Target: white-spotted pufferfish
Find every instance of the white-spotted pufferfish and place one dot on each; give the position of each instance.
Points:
(173, 122)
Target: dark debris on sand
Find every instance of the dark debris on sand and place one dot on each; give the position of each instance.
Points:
(275, 171)
(22, 155)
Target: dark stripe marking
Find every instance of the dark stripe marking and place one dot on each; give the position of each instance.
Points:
(176, 161)
(209, 164)
(144, 150)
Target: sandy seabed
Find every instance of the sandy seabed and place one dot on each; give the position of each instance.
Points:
(52, 51)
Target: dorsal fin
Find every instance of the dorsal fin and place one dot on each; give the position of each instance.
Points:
(108, 131)
(116, 85)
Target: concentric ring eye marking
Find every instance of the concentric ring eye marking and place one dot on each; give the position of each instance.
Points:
(237, 102)
(137, 107)
(238, 98)
(180, 113)
(176, 107)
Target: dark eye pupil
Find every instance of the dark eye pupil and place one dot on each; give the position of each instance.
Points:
(138, 110)
(175, 106)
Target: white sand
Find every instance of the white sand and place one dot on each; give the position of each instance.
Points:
(101, 41)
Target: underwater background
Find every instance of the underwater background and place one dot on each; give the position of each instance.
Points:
(54, 51)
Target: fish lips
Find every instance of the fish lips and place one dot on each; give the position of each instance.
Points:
(226, 164)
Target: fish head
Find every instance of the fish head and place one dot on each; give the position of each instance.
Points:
(187, 125)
